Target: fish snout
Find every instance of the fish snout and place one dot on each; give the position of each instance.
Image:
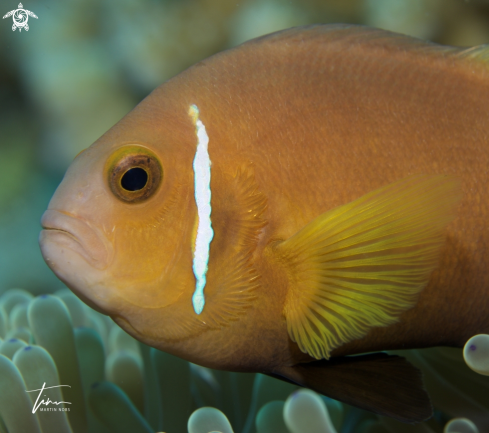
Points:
(68, 231)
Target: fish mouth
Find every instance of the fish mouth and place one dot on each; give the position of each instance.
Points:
(76, 234)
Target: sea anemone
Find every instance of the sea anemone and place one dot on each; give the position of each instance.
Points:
(113, 383)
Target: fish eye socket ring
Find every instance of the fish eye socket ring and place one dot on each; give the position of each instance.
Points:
(137, 167)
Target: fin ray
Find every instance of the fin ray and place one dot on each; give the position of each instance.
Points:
(361, 265)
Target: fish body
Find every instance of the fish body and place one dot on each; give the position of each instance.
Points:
(307, 128)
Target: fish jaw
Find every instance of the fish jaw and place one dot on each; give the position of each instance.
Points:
(78, 254)
(71, 231)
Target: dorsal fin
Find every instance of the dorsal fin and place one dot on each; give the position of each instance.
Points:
(479, 53)
(349, 36)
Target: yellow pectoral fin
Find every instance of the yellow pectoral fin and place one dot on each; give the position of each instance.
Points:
(362, 264)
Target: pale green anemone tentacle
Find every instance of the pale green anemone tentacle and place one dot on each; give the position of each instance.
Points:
(202, 182)
(476, 354)
(460, 425)
(305, 410)
(208, 420)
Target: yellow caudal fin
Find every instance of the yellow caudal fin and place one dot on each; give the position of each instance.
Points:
(361, 265)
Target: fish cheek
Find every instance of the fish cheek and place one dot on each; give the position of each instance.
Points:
(150, 269)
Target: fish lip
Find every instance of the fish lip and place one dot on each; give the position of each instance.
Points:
(84, 239)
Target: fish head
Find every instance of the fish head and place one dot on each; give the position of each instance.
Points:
(119, 228)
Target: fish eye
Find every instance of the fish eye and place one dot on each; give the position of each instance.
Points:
(134, 173)
(134, 179)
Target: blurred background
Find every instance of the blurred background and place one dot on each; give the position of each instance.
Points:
(84, 64)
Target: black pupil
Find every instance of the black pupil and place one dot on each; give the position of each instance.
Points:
(134, 179)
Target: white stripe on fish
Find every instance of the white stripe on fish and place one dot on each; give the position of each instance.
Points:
(202, 182)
